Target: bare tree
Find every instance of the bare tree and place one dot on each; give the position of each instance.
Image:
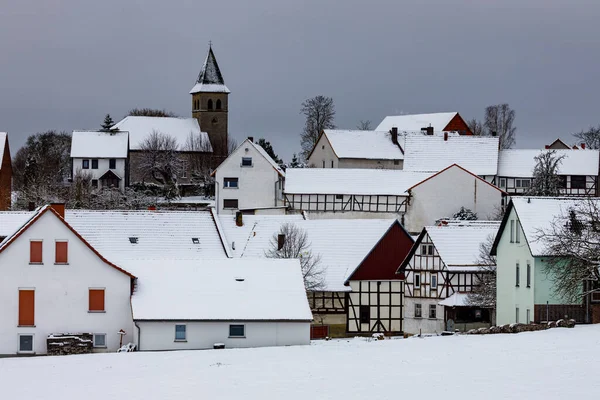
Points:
(476, 127)
(199, 157)
(484, 293)
(500, 118)
(292, 242)
(319, 112)
(591, 137)
(160, 159)
(546, 181)
(150, 112)
(572, 247)
(232, 144)
(364, 125)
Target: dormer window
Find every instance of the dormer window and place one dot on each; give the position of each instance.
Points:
(133, 239)
(246, 161)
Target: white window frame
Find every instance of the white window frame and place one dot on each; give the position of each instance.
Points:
(227, 182)
(517, 232)
(528, 316)
(517, 315)
(184, 333)
(512, 230)
(416, 284)
(247, 166)
(237, 336)
(434, 282)
(528, 274)
(32, 351)
(418, 306)
(100, 346)
(502, 182)
(517, 275)
(434, 308)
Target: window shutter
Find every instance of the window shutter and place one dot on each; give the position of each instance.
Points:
(35, 251)
(96, 300)
(62, 252)
(26, 307)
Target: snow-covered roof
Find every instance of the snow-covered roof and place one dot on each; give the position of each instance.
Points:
(222, 289)
(477, 154)
(351, 181)
(458, 243)
(99, 144)
(10, 221)
(374, 145)
(414, 122)
(342, 244)
(521, 162)
(536, 215)
(458, 299)
(157, 234)
(179, 128)
(210, 78)
(3, 139)
(267, 157)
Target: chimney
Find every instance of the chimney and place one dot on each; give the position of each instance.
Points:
(547, 147)
(494, 133)
(59, 208)
(31, 206)
(239, 219)
(583, 146)
(251, 138)
(394, 133)
(151, 208)
(445, 136)
(280, 241)
(430, 130)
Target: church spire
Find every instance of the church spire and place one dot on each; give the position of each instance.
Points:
(210, 79)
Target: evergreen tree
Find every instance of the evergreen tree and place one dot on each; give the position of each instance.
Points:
(269, 149)
(107, 124)
(295, 163)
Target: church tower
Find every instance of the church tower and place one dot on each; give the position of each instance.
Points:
(210, 104)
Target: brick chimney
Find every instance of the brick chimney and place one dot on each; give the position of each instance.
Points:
(429, 130)
(59, 208)
(251, 138)
(239, 219)
(151, 208)
(394, 133)
(445, 136)
(583, 146)
(494, 133)
(31, 206)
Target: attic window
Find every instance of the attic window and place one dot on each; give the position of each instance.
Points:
(133, 239)
(195, 240)
(239, 279)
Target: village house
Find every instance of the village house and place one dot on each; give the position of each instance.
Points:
(249, 181)
(357, 149)
(525, 292)
(5, 173)
(55, 282)
(433, 123)
(101, 157)
(578, 171)
(443, 266)
(558, 144)
(195, 304)
(361, 293)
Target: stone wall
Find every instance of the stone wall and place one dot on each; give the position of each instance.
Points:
(517, 328)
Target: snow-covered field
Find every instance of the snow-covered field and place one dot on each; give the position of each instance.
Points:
(554, 364)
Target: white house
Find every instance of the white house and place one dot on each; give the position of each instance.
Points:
(525, 291)
(357, 149)
(250, 181)
(361, 291)
(578, 171)
(54, 281)
(432, 123)
(441, 269)
(235, 302)
(443, 194)
(102, 156)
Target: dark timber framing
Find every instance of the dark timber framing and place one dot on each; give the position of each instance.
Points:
(344, 202)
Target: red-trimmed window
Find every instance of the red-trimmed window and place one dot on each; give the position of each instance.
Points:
(62, 252)
(26, 307)
(96, 300)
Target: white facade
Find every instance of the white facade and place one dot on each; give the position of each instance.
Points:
(248, 179)
(79, 167)
(445, 193)
(160, 335)
(61, 291)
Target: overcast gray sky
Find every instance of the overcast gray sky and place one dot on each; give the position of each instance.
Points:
(64, 64)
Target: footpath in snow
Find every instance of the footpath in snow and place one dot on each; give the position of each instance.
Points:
(555, 364)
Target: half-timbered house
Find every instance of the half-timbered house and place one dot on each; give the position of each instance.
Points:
(361, 292)
(432, 123)
(578, 170)
(441, 269)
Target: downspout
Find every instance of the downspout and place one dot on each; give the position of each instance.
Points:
(139, 343)
(217, 192)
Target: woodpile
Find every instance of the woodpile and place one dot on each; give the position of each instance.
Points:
(60, 344)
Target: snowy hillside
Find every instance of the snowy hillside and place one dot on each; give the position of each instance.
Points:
(554, 364)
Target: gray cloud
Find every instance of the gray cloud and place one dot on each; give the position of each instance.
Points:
(64, 64)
